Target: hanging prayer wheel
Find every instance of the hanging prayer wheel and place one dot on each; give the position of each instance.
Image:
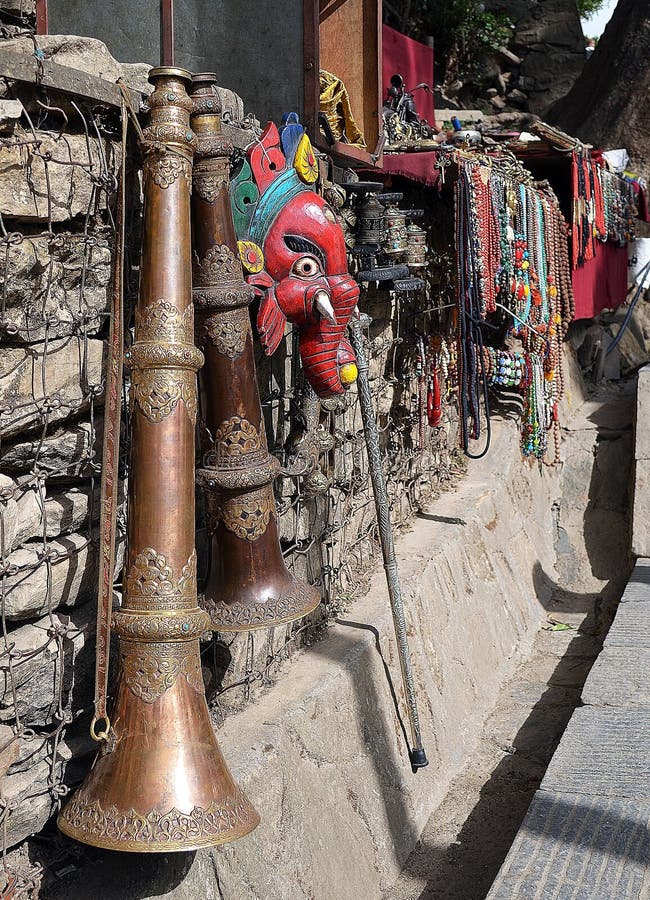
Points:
(248, 584)
(416, 253)
(159, 782)
(371, 228)
(395, 241)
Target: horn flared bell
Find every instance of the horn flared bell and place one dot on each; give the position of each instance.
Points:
(162, 784)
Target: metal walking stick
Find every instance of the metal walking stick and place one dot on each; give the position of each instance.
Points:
(417, 754)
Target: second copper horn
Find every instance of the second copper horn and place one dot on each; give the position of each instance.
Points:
(248, 584)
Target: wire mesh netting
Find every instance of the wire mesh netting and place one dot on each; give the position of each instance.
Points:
(58, 181)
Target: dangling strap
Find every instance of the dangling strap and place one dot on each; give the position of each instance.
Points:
(110, 462)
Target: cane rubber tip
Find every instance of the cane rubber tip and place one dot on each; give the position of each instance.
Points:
(418, 759)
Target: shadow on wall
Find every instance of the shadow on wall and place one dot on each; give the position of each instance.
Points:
(466, 869)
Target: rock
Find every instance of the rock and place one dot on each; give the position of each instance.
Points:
(34, 804)
(442, 101)
(37, 676)
(70, 376)
(25, 515)
(32, 586)
(497, 103)
(21, 8)
(517, 97)
(68, 451)
(32, 749)
(63, 279)
(547, 46)
(136, 77)
(26, 180)
(83, 53)
(31, 790)
(9, 752)
(10, 113)
(516, 118)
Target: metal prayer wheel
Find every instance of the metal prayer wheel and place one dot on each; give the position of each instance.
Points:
(371, 227)
(248, 584)
(416, 253)
(395, 242)
(159, 782)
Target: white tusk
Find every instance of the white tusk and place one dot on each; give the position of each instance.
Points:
(324, 306)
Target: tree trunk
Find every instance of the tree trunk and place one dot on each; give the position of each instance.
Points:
(609, 105)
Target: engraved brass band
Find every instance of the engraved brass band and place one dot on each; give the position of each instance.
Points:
(248, 585)
(160, 782)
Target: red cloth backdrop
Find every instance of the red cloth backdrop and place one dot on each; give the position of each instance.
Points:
(414, 62)
(602, 282)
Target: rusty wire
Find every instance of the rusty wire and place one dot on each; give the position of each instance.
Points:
(57, 314)
(328, 539)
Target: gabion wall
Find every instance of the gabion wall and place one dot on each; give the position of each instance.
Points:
(59, 163)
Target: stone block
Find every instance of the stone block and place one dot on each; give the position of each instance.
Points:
(631, 627)
(39, 676)
(83, 53)
(577, 847)
(641, 514)
(28, 514)
(618, 740)
(35, 585)
(52, 284)
(27, 180)
(19, 7)
(642, 442)
(56, 378)
(34, 803)
(619, 677)
(68, 451)
(638, 587)
(10, 113)
(30, 789)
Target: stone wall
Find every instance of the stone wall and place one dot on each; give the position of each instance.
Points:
(59, 159)
(57, 177)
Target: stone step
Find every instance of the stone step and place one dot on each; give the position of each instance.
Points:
(575, 847)
(586, 835)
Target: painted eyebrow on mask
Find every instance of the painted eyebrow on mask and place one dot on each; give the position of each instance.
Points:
(302, 245)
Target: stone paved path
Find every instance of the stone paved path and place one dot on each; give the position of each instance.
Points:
(467, 839)
(586, 835)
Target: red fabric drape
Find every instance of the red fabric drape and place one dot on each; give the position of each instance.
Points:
(416, 166)
(602, 282)
(414, 62)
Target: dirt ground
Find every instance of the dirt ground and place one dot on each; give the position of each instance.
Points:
(466, 840)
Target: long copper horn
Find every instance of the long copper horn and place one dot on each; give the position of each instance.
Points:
(160, 782)
(248, 584)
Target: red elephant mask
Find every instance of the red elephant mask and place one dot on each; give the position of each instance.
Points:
(294, 251)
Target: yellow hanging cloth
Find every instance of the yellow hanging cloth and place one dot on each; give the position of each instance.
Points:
(335, 103)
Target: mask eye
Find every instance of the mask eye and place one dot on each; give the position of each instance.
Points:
(306, 267)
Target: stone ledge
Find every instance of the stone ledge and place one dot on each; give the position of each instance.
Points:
(641, 516)
(322, 755)
(586, 832)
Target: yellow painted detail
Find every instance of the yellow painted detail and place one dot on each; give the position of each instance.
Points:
(305, 162)
(348, 374)
(252, 258)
